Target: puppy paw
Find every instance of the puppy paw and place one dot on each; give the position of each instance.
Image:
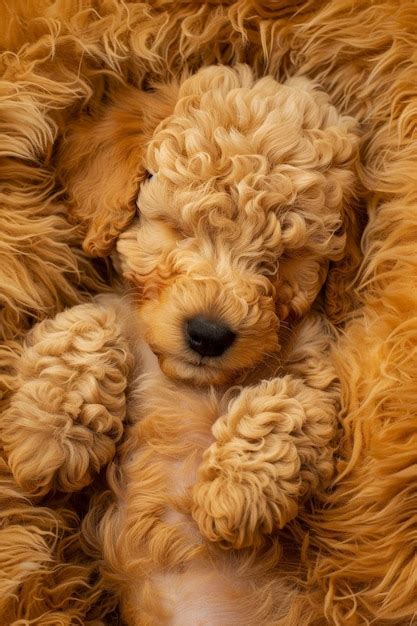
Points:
(231, 513)
(67, 415)
(239, 507)
(252, 478)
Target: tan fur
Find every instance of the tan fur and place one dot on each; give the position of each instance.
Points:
(155, 556)
(59, 58)
(80, 395)
(238, 222)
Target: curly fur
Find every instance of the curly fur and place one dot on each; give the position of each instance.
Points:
(250, 249)
(61, 55)
(70, 401)
(233, 150)
(271, 450)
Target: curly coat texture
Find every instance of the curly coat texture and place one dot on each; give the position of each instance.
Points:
(250, 248)
(62, 56)
(154, 558)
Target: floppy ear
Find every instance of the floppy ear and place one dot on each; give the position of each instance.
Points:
(100, 162)
(321, 231)
(340, 298)
(300, 280)
(302, 277)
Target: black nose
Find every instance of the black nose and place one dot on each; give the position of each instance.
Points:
(207, 337)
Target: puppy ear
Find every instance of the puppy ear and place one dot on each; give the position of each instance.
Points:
(100, 162)
(340, 298)
(300, 280)
(325, 209)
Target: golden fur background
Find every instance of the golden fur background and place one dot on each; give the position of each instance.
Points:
(358, 561)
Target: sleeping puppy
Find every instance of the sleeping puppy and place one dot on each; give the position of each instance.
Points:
(212, 365)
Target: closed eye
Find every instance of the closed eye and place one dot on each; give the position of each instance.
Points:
(149, 176)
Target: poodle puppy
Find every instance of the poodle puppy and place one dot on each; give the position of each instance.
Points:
(212, 369)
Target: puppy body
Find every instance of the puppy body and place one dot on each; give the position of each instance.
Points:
(214, 368)
(205, 477)
(179, 577)
(178, 554)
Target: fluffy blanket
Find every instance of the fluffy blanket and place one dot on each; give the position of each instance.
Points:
(356, 560)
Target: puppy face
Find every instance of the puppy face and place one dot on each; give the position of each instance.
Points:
(238, 220)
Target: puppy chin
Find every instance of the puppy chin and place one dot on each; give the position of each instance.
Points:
(194, 374)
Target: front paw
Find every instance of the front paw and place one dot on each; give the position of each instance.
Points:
(66, 417)
(239, 511)
(59, 441)
(230, 513)
(217, 509)
(252, 477)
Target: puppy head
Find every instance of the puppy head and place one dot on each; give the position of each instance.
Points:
(238, 221)
(241, 212)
